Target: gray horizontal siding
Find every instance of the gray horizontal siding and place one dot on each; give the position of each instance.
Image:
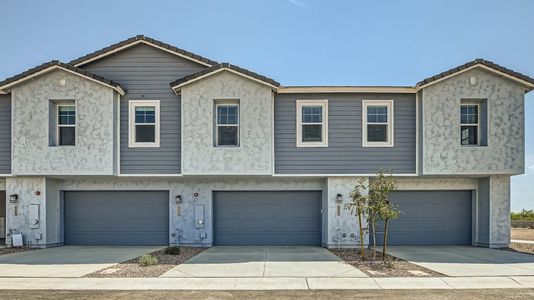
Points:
(5, 134)
(344, 154)
(145, 73)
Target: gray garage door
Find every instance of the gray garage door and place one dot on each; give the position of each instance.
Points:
(116, 218)
(430, 218)
(267, 218)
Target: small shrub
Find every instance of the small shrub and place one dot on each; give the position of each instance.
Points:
(148, 260)
(172, 250)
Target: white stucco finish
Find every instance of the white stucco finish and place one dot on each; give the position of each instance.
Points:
(254, 154)
(499, 211)
(17, 214)
(442, 152)
(343, 230)
(93, 152)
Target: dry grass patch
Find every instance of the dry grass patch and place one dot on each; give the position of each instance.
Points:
(394, 267)
(523, 248)
(133, 269)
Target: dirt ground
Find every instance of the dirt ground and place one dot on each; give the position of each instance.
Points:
(524, 234)
(319, 294)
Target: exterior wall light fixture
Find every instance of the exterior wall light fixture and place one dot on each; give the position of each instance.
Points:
(339, 198)
(13, 198)
(178, 199)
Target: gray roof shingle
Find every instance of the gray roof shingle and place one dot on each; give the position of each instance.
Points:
(57, 63)
(136, 38)
(216, 67)
(478, 61)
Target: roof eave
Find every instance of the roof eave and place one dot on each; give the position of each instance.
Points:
(6, 88)
(177, 87)
(422, 85)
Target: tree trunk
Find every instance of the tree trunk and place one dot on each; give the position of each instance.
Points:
(385, 239)
(373, 227)
(361, 234)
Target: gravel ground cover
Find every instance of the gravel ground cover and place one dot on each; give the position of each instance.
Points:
(524, 248)
(132, 269)
(4, 251)
(395, 267)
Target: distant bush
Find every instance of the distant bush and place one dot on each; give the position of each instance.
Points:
(172, 250)
(524, 215)
(148, 260)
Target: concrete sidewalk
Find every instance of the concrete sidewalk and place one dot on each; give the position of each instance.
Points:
(516, 282)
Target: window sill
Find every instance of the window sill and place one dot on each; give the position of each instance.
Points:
(227, 147)
(143, 146)
(311, 145)
(371, 145)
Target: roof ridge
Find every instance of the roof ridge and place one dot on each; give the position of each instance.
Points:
(124, 43)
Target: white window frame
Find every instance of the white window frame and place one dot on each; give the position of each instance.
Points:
(58, 126)
(217, 125)
(132, 104)
(324, 134)
(470, 124)
(390, 132)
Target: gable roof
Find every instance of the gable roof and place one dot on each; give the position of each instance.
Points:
(486, 64)
(176, 85)
(52, 65)
(141, 39)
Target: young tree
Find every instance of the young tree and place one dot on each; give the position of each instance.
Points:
(379, 190)
(358, 206)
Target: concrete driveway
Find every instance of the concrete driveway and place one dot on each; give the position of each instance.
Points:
(261, 261)
(460, 261)
(67, 261)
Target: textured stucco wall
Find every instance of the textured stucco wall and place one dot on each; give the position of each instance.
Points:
(343, 230)
(93, 153)
(17, 217)
(184, 226)
(499, 211)
(254, 155)
(442, 153)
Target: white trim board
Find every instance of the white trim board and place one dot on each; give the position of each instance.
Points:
(178, 87)
(390, 104)
(345, 89)
(132, 104)
(84, 62)
(323, 103)
(477, 66)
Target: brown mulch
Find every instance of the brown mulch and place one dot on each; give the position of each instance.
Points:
(132, 269)
(4, 251)
(394, 267)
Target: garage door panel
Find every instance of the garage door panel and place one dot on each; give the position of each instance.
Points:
(430, 218)
(116, 218)
(270, 225)
(267, 218)
(274, 239)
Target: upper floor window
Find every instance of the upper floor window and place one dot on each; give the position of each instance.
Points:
(227, 124)
(66, 125)
(377, 119)
(312, 123)
(144, 123)
(469, 124)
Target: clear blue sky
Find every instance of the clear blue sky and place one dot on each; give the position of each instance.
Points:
(296, 42)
